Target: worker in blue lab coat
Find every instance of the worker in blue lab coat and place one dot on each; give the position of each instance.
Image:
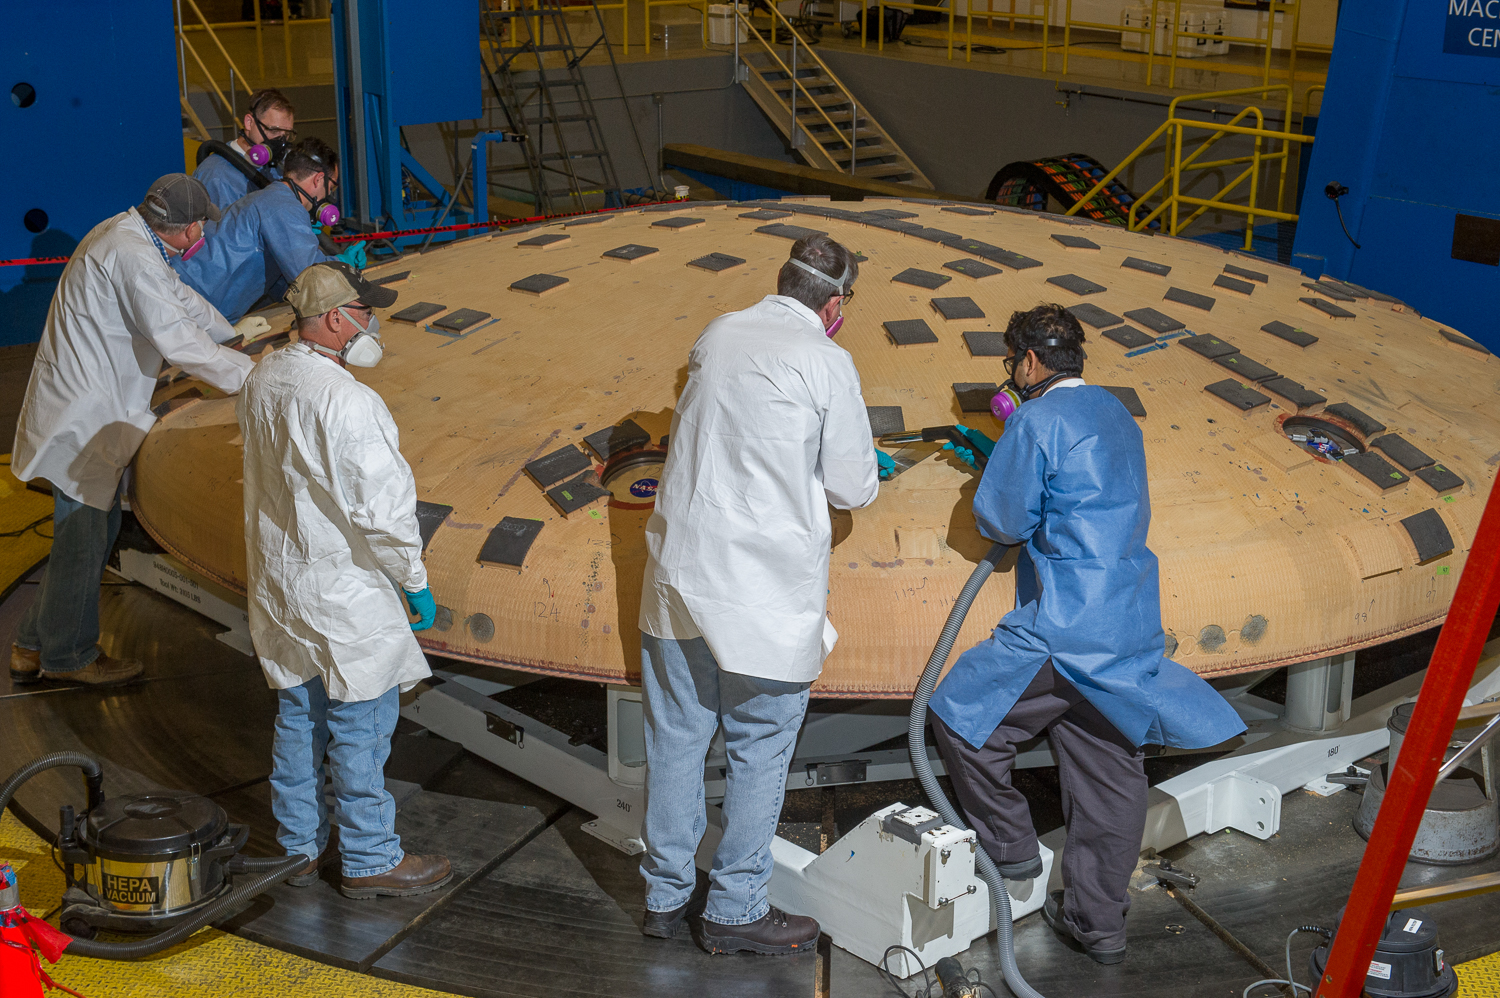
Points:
(1082, 654)
(265, 134)
(266, 238)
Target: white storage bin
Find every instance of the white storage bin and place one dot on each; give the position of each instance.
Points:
(1197, 18)
(722, 24)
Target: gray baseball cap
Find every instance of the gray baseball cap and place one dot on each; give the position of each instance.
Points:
(177, 199)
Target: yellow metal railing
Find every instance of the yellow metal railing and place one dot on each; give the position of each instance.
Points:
(990, 13)
(880, 31)
(1149, 31)
(235, 74)
(1307, 100)
(258, 25)
(797, 128)
(1274, 7)
(1176, 165)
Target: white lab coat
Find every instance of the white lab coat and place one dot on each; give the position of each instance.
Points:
(330, 530)
(119, 309)
(770, 430)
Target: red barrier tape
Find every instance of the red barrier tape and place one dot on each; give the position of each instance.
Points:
(394, 233)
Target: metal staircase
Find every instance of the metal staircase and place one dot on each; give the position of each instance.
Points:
(814, 111)
(559, 155)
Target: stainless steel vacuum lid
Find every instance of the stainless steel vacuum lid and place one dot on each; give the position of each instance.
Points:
(155, 824)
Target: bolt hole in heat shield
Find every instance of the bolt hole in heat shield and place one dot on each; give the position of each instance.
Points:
(634, 477)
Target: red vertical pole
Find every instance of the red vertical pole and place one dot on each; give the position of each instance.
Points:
(1449, 675)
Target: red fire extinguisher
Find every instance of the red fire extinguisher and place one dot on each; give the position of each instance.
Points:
(23, 937)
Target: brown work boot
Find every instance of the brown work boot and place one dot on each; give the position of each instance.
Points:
(308, 875)
(25, 665)
(101, 672)
(414, 875)
(776, 933)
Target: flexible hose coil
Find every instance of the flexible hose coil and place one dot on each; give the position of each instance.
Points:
(277, 869)
(916, 743)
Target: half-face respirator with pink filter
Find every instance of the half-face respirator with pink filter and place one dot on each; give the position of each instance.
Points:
(838, 284)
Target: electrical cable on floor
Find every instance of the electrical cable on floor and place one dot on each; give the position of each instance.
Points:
(30, 527)
(981, 49)
(1290, 979)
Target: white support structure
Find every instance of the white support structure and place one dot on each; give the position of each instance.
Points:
(169, 577)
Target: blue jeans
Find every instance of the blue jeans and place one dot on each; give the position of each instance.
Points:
(687, 697)
(356, 737)
(63, 622)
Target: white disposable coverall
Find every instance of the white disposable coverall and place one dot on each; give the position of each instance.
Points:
(769, 431)
(330, 530)
(119, 309)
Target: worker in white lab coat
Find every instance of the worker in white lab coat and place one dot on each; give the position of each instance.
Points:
(118, 312)
(332, 546)
(771, 429)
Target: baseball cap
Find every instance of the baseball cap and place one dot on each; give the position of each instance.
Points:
(177, 199)
(326, 286)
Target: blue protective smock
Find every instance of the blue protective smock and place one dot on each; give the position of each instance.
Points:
(264, 240)
(1068, 480)
(225, 182)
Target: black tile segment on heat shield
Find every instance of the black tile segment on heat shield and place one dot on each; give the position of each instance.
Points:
(1328, 290)
(1349, 289)
(936, 235)
(1192, 298)
(1377, 469)
(959, 209)
(909, 332)
(1077, 285)
(1462, 340)
(1402, 452)
(538, 283)
(1154, 320)
(958, 308)
(1129, 398)
(1128, 337)
(1249, 275)
(1359, 419)
(1234, 284)
(1439, 479)
(1250, 370)
(573, 495)
(986, 343)
(430, 516)
(1209, 346)
(975, 396)
(563, 463)
(509, 541)
(630, 251)
(716, 262)
(545, 239)
(460, 319)
(613, 439)
(885, 419)
(789, 231)
(1298, 396)
(1237, 395)
(921, 278)
(1429, 533)
(972, 268)
(1093, 315)
(895, 213)
(677, 223)
(1075, 242)
(416, 313)
(1328, 308)
(766, 214)
(1289, 333)
(1136, 263)
(588, 220)
(391, 278)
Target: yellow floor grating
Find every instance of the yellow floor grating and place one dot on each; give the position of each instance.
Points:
(1479, 978)
(211, 964)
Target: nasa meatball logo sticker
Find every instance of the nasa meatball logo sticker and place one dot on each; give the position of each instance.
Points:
(644, 488)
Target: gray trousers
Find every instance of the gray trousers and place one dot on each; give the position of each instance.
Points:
(1103, 797)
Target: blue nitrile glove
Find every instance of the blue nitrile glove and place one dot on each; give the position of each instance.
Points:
(964, 454)
(887, 464)
(422, 605)
(978, 441)
(354, 256)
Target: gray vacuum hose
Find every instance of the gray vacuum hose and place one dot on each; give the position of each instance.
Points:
(277, 869)
(916, 743)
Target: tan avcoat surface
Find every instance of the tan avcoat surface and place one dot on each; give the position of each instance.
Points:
(1268, 554)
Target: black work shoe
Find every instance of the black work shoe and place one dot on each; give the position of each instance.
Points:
(667, 924)
(1052, 914)
(776, 933)
(1026, 869)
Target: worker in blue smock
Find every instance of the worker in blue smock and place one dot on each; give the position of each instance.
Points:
(266, 238)
(265, 134)
(1082, 655)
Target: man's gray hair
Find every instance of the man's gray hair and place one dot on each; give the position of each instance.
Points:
(166, 229)
(826, 257)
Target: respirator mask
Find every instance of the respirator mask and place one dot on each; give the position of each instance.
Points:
(364, 350)
(1010, 396)
(838, 283)
(323, 210)
(197, 245)
(272, 148)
